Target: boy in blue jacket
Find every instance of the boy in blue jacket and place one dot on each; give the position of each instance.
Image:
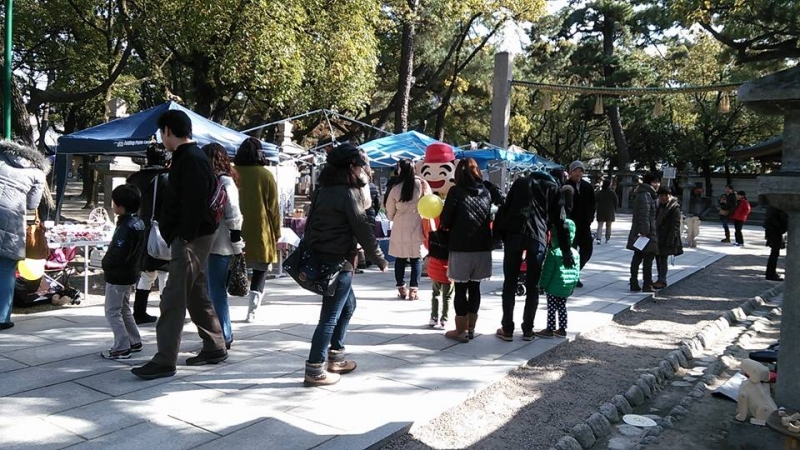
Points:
(121, 271)
(558, 282)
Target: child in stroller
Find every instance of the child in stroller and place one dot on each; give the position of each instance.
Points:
(53, 287)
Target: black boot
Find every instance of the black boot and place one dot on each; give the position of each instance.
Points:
(140, 315)
(635, 285)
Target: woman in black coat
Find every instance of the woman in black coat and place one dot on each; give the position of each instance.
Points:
(467, 216)
(668, 229)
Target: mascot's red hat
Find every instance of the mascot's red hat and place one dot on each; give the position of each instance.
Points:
(439, 153)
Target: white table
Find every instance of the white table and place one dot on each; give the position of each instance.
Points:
(86, 246)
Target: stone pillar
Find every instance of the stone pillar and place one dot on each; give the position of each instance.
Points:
(114, 170)
(501, 99)
(779, 94)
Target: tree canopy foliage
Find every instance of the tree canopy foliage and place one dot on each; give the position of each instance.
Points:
(413, 64)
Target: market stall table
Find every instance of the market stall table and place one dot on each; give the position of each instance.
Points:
(86, 246)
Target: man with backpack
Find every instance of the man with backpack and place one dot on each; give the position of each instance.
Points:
(188, 225)
(534, 204)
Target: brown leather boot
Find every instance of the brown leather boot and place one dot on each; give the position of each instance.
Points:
(337, 363)
(402, 292)
(472, 318)
(316, 375)
(460, 333)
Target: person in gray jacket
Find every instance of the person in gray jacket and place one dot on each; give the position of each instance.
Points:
(644, 225)
(22, 185)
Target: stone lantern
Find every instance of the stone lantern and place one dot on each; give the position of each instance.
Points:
(779, 94)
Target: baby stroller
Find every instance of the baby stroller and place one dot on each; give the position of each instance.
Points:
(523, 276)
(57, 273)
(53, 287)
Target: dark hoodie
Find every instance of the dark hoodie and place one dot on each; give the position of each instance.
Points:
(467, 215)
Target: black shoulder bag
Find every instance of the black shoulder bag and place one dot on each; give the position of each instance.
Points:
(310, 271)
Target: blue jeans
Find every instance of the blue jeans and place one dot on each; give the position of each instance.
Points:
(400, 271)
(7, 281)
(218, 291)
(333, 319)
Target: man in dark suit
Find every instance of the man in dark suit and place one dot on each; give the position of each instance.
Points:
(582, 213)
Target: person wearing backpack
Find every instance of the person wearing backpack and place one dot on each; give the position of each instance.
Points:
(188, 226)
(152, 183)
(261, 229)
(534, 202)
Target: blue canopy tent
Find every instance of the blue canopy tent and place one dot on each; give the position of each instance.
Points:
(386, 151)
(514, 160)
(131, 135)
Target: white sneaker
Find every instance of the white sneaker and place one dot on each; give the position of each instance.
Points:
(433, 322)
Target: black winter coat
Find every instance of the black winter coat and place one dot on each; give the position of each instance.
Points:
(121, 261)
(467, 216)
(583, 204)
(337, 222)
(191, 183)
(776, 223)
(534, 204)
(668, 228)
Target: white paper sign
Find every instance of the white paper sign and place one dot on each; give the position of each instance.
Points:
(641, 243)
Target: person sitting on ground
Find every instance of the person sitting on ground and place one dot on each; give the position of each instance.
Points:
(558, 282)
(668, 230)
(121, 270)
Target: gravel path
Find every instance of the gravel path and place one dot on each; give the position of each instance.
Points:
(536, 405)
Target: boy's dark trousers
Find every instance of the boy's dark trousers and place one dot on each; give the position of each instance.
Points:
(737, 224)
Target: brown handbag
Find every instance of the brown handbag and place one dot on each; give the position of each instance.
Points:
(35, 240)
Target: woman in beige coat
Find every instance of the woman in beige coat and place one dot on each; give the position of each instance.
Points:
(406, 243)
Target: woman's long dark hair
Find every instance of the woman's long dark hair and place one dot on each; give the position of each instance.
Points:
(220, 163)
(249, 153)
(406, 177)
(332, 175)
(467, 172)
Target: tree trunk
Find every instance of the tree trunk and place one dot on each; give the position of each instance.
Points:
(21, 128)
(615, 121)
(404, 80)
(91, 186)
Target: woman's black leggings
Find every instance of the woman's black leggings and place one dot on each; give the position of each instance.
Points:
(258, 280)
(467, 298)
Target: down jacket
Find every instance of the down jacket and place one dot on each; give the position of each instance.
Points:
(407, 239)
(467, 215)
(22, 185)
(644, 218)
(741, 211)
(556, 278)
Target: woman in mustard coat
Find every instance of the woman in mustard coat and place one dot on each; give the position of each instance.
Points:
(261, 229)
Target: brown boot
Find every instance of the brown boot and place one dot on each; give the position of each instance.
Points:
(413, 293)
(337, 363)
(402, 292)
(472, 319)
(460, 333)
(316, 375)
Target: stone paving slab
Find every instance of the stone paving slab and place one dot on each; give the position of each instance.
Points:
(61, 393)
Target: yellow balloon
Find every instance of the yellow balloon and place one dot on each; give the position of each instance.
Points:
(31, 269)
(430, 206)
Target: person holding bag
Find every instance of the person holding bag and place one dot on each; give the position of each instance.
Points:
(227, 240)
(152, 182)
(22, 177)
(336, 225)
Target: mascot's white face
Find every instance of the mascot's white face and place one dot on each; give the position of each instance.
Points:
(440, 176)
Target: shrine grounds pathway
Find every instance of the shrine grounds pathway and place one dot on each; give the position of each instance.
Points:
(57, 392)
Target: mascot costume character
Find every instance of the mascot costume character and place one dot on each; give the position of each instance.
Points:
(438, 168)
